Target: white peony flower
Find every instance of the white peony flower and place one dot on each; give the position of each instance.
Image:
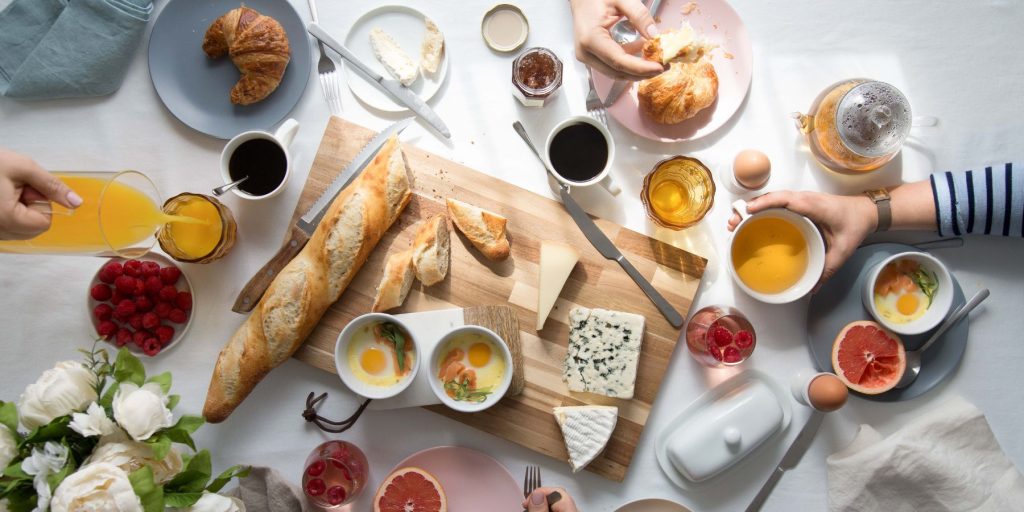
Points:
(99, 486)
(93, 422)
(8, 447)
(41, 464)
(211, 502)
(61, 390)
(132, 455)
(141, 411)
(3, 505)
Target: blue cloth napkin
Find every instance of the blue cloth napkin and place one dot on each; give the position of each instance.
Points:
(68, 48)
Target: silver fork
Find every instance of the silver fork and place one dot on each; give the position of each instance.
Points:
(532, 481)
(325, 68)
(595, 107)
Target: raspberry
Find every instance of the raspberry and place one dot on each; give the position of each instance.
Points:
(170, 275)
(106, 329)
(102, 311)
(315, 487)
(150, 269)
(139, 337)
(316, 468)
(743, 339)
(153, 285)
(165, 334)
(123, 337)
(168, 293)
(150, 320)
(151, 346)
(140, 288)
(125, 284)
(177, 316)
(162, 309)
(100, 292)
(117, 297)
(143, 304)
(336, 495)
(732, 355)
(126, 308)
(721, 335)
(184, 301)
(715, 352)
(135, 321)
(113, 268)
(133, 268)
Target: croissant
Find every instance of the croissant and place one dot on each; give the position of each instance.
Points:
(258, 46)
(679, 93)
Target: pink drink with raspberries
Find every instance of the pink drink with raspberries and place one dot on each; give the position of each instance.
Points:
(335, 474)
(720, 336)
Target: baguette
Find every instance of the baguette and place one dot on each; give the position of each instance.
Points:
(432, 49)
(431, 250)
(301, 293)
(484, 229)
(395, 283)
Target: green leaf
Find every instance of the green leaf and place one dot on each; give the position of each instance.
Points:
(55, 479)
(22, 499)
(172, 401)
(160, 444)
(189, 423)
(222, 479)
(164, 380)
(194, 476)
(15, 471)
(53, 431)
(107, 400)
(150, 494)
(181, 499)
(9, 416)
(393, 332)
(128, 368)
(927, 281)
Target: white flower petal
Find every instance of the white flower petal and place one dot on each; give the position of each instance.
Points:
(94, 422)
(96, 486)
(61, 390)
(8, 448)
(141, 411)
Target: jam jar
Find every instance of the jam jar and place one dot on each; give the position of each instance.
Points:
(536, 76)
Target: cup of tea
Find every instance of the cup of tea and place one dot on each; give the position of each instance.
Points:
(580, 152)
(262, 157)
(775, 255)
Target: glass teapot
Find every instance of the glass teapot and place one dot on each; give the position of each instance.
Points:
(856, 125)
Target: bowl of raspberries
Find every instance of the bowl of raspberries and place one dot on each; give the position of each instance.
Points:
(143, 304)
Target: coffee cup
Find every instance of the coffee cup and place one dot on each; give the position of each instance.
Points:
(261, 156)
(790, 268)
(580, 152)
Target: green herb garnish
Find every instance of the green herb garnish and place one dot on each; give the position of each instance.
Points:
(393, 333)
(928, 282)
(463, 393)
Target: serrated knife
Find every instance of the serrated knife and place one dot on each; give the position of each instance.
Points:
(789, 460)
(391, 88)
(306, 225)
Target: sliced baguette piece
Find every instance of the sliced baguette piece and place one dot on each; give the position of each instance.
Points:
(433, 48)
(431, 250)
(395, 283)
(486, 230)
(394, 59)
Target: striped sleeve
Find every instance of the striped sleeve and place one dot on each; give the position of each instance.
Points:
(986, 201)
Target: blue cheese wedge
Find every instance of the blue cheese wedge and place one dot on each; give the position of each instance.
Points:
(586, 430)
(604, 348)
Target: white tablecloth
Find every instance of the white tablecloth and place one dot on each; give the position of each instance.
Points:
(959, 61)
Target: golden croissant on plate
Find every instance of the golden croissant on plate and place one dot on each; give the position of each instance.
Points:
(258, 46)
(688, 86)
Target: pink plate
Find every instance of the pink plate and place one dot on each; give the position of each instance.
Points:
(472, 480)
(720, 24)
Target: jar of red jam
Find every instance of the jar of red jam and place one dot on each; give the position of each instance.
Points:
(536, 76)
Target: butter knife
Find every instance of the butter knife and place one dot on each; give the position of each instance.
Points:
(601, 242)
(299, 233)
(392, 88)
(789, 460)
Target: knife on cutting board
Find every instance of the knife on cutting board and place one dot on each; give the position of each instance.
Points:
(303, 228)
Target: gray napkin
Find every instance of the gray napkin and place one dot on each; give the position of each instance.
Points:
(265, 490)
(67, 49)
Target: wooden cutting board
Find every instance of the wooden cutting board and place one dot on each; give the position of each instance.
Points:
(473, 280)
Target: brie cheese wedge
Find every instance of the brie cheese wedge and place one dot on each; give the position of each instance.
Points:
(586, 430)
(395, 60)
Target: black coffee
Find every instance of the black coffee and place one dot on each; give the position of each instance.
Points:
(579, 152)
(263, 161)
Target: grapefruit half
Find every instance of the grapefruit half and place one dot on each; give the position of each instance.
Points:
(410, 489)
(868, 358)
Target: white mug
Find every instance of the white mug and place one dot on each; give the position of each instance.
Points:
(603, 178)
(815, 253)
(282, 137)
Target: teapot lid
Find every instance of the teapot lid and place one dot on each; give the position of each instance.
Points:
(873, 119)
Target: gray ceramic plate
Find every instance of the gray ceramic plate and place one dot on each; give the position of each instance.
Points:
(839, 303)
(195, 88)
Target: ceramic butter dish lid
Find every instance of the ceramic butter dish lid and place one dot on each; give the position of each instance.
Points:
(722, 427)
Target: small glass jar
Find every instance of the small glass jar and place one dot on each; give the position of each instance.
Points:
(207, 240)
(720, 336)
(536, 77)
(678, 193)
(335, 474)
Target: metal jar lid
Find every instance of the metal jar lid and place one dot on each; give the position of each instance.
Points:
(503, 10)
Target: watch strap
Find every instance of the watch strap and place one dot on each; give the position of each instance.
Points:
(882, 202)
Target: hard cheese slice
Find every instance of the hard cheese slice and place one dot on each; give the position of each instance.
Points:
(604, 348)
(556, 263)
(586, 430)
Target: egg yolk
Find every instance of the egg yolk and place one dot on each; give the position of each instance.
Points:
(907, 304)
(373, 360)
(479, 354)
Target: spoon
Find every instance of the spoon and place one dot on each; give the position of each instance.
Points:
(914, 356)
(219, 191)
(623, 32)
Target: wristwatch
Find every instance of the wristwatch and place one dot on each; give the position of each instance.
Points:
(881, 199)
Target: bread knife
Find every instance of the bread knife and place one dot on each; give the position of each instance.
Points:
(299, 233)
(391, 88)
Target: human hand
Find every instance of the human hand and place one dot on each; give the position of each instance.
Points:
(595, 46)
(23, 183)
(537, 501)
(844, 220)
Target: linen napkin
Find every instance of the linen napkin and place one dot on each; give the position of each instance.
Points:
(945, 460)
(67, 49)
(265, 490)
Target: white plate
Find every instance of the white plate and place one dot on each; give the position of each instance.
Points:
(652, 505)
(406, 26)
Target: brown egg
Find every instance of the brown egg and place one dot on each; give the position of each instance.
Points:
(827, 393)
(751, 169)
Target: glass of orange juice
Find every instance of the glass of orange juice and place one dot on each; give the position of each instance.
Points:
(197, 242)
